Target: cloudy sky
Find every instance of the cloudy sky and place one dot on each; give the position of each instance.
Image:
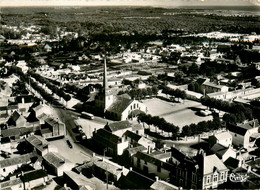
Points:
(164, 3)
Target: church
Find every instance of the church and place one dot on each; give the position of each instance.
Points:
(116, 107)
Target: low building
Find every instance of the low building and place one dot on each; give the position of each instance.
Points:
(10, 164)
(245, 134)
(223, 138)
(13, 184)
(56, 164)
(118, 128)
(223, 152)
(16, 120)
(40, 145)
(52, 128)
(210, 87)
(163, 185)
(78, 181)
(34, 179)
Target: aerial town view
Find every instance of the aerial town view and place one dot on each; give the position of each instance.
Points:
(147, 94)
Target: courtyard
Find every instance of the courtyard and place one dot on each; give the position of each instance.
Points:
(179, 114)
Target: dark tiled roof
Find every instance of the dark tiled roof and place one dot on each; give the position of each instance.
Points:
(119, 125)
(155, 161)
(232, 163)
(22, 159)
(119, 105)
(33, 175)
(132, 135)
(13, 118)
(219, 150)
(5, 140)
(10, 132)
(54, 159)
(32, 117)
(235, 129)
(106, 138)
(134, 150)
(241, 129)
(4, 185)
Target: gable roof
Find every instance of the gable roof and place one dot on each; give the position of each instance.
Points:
(22, 159)
(33, 175)
(211, 163)
(38, 142)
(120, 105)
(223, 135)
(132, 135)
(153, 160)
(13, 118)
(79, 179)
(163, 185)
(219, 150)
(241, 129)
(55, 159)
(232, 163)
(11, 183)
(106, 138)
(119, 125)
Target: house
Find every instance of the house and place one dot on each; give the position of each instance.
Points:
(5, 144)
(103, 167)
(223, 138)
(214, 172)
(118, 128)
(245, 134)
(134, 139)
(104, 140)
(34, 178)
(77, 181)
(152, 165)
(163, 185)
(223, 152)
(10, 164)
(25, 102)
(16, 120)
(56, 164)
(13, 184)
(40, 145)
(210, 87)
(52, 128)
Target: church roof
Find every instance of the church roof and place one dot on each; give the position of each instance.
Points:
(120, 105)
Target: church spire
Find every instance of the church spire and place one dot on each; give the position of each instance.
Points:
(105, 85)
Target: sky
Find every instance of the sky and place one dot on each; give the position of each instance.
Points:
(162, 3)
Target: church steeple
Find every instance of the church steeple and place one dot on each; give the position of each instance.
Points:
(105, 85)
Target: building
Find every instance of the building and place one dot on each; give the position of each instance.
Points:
(13, 184)
(10, 164)
(214, 172)
(34, 178)
(136, 139)
(77, 181)
(223, 138)
(108, 142)
(163, 185)
(52, 128)
(245, 134)
(223, 152)
(16, 120)
(56, 164)
(153, 164)
(118, 128)
(210, 87)
(40, 145)
(115, 107)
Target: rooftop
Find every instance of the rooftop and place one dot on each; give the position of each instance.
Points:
(120, 105)
(55, 159)
(211, 163)
(223, 135)
(163, 185)
(21, 159)
(33, 175)
(38, 142)
(119, 125)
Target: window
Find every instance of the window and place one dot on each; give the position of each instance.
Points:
(215, 178)
(145, 162)
(208, 179)
(222, 176)
(3, 169)
(131, 107)
(134, 106)
(137, 105)
(158, 168)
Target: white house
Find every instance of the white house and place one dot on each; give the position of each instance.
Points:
(223, 138)
(214, 172)
(223, 152)
(245, 134)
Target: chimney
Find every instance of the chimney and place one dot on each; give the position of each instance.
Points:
(156, 178)
(131, 169)
(22, 100)
(93, 154)
(149, 150)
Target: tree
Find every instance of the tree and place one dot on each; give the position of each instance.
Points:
(186, 131)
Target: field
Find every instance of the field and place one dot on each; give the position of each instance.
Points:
(179, 114)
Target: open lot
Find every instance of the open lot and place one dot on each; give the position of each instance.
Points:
(179, 114)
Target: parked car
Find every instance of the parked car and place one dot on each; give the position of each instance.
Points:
(69, 143)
